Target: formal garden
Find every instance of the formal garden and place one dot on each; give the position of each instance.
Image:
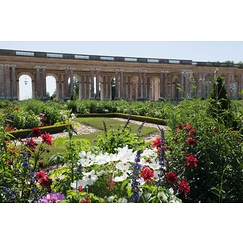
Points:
(197, 158)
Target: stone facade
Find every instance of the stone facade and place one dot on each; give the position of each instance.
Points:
(135, 78)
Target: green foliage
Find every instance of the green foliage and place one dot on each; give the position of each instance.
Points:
(218, 176)
(119, 138)
(220, 105)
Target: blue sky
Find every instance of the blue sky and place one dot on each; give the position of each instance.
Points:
(207, 31)
(191, 50)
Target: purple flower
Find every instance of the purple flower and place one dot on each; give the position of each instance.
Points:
(135, 178)
(52, 198)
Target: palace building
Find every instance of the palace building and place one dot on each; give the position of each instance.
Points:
(113, 77)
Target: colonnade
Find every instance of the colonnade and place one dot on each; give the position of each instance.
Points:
(96, 83)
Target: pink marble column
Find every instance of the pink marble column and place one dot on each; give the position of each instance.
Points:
(108, 87)
(87, 87)
(129, 87)
(161, 87)
(43, 88)
(121, 84)
(71, 82)
(83, 86)
(92, 83)
(166, 84)
(2, 90)
(139, 84)
(14, 83)
(65, 84)
(144, 84)
(37, 83)
(97, 85)
(117, 91)
(104, 87)
(7, 82)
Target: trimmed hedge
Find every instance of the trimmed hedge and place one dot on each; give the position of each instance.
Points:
(26, 132)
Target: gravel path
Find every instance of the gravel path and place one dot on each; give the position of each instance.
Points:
(81, 128)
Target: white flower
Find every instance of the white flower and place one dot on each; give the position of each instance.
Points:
(123, 200)
(120, 178)
(171, 191)
(73, 116)
(154, 165)
(86, 158)
(77, 184)
(100, 173)
(90, 177)
(156, 175)
(149, 153)
(123, 166)
(102, 159)
(162, 197)
(125, 154)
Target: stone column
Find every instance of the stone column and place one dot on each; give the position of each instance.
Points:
(82, 86)
(129, 87)
(2, 89)
(108, 87)
(97, 85)
(144, 84)
(71, 82)
(162, 85)
(65, 84)
(139, 84)
(121, 85)
(59, 87)
(87, 87)
(43, 87)
(199, 86)
(125, 88)
(7, 82)
(104, 87)
(14, 83)
(166, 84)
(117, 91)
(92, 83)
(37, 83)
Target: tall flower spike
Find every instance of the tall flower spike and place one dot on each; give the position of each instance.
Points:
(161, 156)
(141, 127)
(128, 120)
(135, 178)
(105, 129)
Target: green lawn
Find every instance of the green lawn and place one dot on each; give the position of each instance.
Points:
(97, 122)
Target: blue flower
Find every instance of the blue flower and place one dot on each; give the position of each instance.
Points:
(135, 178)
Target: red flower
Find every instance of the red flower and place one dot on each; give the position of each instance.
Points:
(179, 127)
(184, 186)
(110, 184)
(191, 161)
(41, 175)
(147, 174)
(84, 201)
(190, 129)
(36, 132)
(9, 162)
(157, 142)
(191, 141)
(30, 143)
(171, 177)
(215, 129)
(46, 138)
